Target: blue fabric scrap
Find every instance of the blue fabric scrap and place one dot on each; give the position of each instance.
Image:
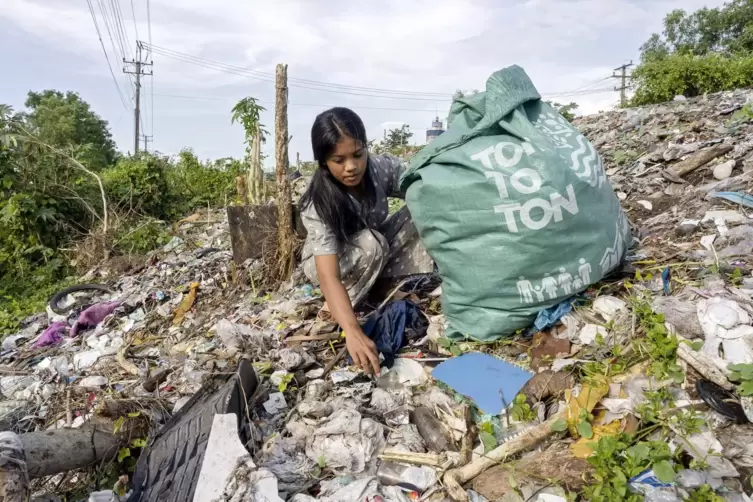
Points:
(551, 316)
(393, 326)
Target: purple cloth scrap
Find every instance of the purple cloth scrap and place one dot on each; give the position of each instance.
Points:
(52, 335)
(94, 315)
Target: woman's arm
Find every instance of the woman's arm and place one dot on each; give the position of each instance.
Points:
(361, 348)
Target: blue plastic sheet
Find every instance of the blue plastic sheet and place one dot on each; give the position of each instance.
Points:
(489, 382)
(741, 198)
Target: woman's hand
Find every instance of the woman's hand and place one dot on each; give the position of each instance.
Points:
(363, 351)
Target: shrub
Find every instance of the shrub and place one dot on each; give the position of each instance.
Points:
(661, 79)
(138, 184)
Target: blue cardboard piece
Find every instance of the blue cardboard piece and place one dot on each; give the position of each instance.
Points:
(484, 379)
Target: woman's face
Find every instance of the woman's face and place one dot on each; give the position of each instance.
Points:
(348, 162)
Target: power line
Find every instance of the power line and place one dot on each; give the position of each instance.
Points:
(115, 44)
(121, 25)
(304, 82)
(151, 80)
(320, 105)
(338, 88)
(245, 73)
(135, 26)
(107, 58)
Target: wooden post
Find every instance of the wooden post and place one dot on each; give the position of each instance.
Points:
(285, 236)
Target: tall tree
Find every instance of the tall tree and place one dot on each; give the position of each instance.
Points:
(397, 138)
(565, 110)
(67, 122)
(247, 111)
(709, 50)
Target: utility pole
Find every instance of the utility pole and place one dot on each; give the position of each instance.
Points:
(138, 70)
(623, 76)
(285, 236)
(147, 139)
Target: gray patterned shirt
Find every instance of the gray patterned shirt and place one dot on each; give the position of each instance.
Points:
(385, 172)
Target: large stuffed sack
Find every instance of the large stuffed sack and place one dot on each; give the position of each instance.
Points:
(514, 206)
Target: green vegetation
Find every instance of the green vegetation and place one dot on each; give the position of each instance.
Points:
(743, 375)
(617, 459)
(63, 183)
(706, 51)
(565, 110)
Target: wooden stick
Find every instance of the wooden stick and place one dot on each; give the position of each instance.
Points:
(702, 363)
(454, 478)
(428, 459)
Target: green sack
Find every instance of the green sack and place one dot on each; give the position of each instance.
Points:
(514, 206)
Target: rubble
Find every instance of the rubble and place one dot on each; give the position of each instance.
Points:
(638, 361)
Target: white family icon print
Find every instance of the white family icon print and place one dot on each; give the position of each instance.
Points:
(552, 287)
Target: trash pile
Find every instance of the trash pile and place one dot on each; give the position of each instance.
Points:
(641, 388)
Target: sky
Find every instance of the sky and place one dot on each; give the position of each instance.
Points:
(423, 49)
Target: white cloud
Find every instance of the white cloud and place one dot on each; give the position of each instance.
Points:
(422, 45)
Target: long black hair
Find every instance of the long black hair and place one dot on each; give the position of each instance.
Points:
(329, 197)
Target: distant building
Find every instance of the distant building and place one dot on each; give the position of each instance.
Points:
(435, 130)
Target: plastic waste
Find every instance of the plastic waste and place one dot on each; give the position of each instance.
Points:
(275, 404)
(406, 372)
(93, 382)
(726, 325)
(705, 447)
(411, 478)
(232, 334)
(348, 453)
(490, 382)
(434, 433)
(589, 333)
(609, 307)
(722, 401)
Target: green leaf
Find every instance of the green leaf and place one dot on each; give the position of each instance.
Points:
(489, 441)
(664, 471)
(639, 452)
(321, 462)
(118, 425)
(123, 454)
(696, 345)
(487, 427)
(746, 388)
(138, 443)
(455, 351)
(585, 430)
(444, 343)
(559, 425)
(135, 414)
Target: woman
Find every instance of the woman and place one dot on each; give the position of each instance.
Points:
(351, 242)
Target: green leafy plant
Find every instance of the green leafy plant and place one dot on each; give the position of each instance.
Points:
(450, 345)
(285, 382)
(656, 402)
(743, 374)
(617, 459)
(657, 344)
(704, 494)
(521, 410)
(487, 437)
